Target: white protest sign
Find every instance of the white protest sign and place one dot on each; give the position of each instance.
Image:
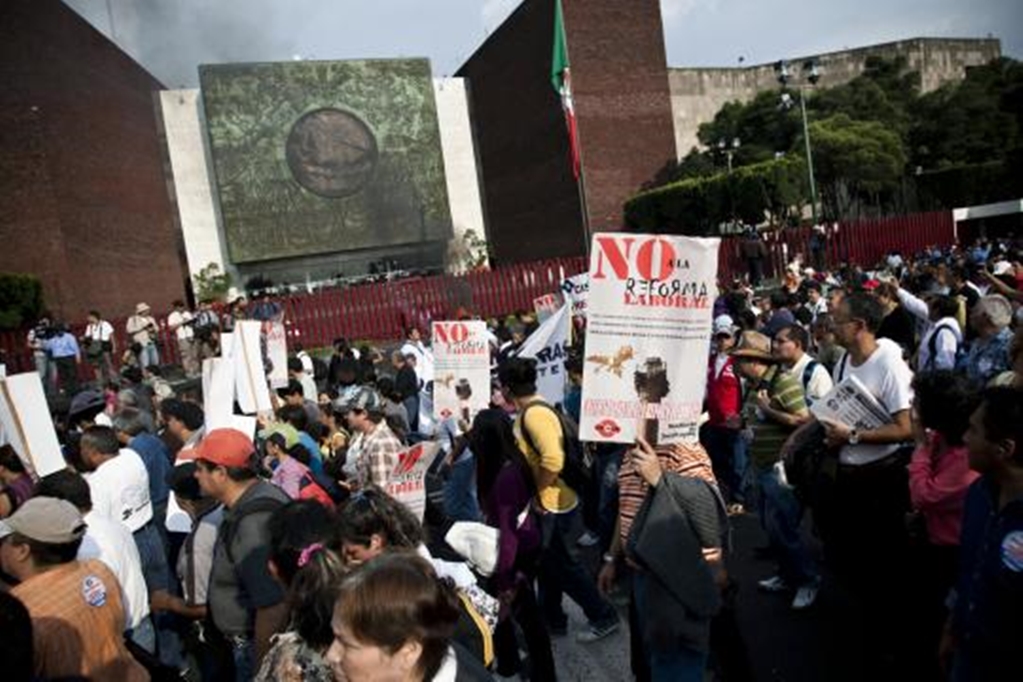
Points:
(545, 306)
(648, 336)
(27, 424)
(461, 383)
(407, 482)
(576, 291)
(226, 344)
(251, 389)
(548, 346)
(218, 386)
(277, 351)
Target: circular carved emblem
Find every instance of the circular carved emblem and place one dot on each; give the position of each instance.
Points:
(331, 152)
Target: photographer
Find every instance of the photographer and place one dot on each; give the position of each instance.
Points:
(99, 347)
(142, 329)
(206, 328)
(182, 322)
(36, 341)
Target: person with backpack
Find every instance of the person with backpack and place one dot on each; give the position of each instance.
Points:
(245, 603)
(790, 346)
(941, 345)
(774, 407)
(542, 434)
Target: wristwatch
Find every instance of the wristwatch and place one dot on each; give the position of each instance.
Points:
(854, 437)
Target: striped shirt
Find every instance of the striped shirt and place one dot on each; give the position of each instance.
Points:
(684, 459)
(78, 623)
(785, 391)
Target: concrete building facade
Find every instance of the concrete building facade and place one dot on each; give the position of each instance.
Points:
(86, 207)
(619, 80)
(697, 94)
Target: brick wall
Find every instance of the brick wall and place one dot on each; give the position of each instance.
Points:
(85, 196)
(623, 106)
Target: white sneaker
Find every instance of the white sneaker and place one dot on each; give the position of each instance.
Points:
(805, 596)
(773, 584)
(587, 539)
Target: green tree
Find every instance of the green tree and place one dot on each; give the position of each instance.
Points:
(21, 300)
(211, 284)
(856, 163)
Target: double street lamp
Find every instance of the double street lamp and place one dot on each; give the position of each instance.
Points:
(729, 150)
(812, 75)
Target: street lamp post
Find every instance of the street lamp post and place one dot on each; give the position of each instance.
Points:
(729, 151)
(812, 75)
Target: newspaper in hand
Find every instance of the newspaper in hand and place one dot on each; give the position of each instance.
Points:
(851, 404)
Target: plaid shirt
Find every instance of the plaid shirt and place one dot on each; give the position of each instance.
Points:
(377, 455)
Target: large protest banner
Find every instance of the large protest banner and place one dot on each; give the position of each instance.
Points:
(650, 312)
(548, 346)
(461, 382)
(407, 482)
(251, 390)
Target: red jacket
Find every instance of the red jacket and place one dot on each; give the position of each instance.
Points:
(724, 392)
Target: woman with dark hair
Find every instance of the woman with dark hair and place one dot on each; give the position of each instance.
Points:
(303, 539)
(395, 620)
(373, 523)
(939, 476)
(504, 484)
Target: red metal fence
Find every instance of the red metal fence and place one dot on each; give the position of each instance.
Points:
(382, 311)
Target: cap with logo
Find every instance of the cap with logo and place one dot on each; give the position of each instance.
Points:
(223, 447)
(366, 399)
(47, 520)
(724, 325)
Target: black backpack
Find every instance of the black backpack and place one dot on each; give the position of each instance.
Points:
(576, 472)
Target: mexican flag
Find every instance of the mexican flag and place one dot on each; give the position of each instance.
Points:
(562, 80)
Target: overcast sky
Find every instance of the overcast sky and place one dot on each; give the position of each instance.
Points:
(171, 37)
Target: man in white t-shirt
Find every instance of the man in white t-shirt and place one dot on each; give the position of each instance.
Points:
(861, 518)
(98, 342)
(110, 542)
(424, 356)
(180, 322)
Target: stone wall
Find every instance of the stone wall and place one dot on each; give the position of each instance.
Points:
(86, 206)
(697, 94)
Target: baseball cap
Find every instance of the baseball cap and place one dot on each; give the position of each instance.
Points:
(724, 324)
(45, 519)
(223, 447)
(288, 432)
(366, 399)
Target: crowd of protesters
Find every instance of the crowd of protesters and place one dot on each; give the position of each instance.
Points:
(170, 550)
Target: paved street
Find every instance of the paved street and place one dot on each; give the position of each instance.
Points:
(826, 642)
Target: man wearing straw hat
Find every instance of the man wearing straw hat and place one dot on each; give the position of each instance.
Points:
(141, 329)
(774, 406)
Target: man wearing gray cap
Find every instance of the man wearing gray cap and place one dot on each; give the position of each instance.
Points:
(76, 608)
(375, 448)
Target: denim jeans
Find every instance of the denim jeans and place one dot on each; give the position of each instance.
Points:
(460, 490)
(144, 634)
(728, 455)
(562, 573)
(607, 464)
(681, 664)
(243, 651)
(156, 571)
(149, 356)
(781, 514)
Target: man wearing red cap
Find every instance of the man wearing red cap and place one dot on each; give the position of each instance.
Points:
(246, 603)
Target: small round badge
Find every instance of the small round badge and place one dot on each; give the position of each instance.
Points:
(94, 591)
(1012, 551)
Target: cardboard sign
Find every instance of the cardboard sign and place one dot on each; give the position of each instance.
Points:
(548, 345)
(251, 389)
(277, 351)
(576, 291)
(545, 306)
(27, 425)
(407, 482)
(461, 384)
(648, 338)
(218, 387)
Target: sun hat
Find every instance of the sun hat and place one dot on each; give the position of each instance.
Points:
(755, 346)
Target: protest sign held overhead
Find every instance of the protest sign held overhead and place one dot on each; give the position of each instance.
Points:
(461, 385)
(25, 423)
(545, 306)
(576, 291)
(548, 346)
(647, 344)
(407, 482)
(251, 389)
(277, 352)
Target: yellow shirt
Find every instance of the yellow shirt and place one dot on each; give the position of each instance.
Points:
(545, 429)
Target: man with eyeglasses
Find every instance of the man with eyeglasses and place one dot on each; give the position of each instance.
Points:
(861, 511)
